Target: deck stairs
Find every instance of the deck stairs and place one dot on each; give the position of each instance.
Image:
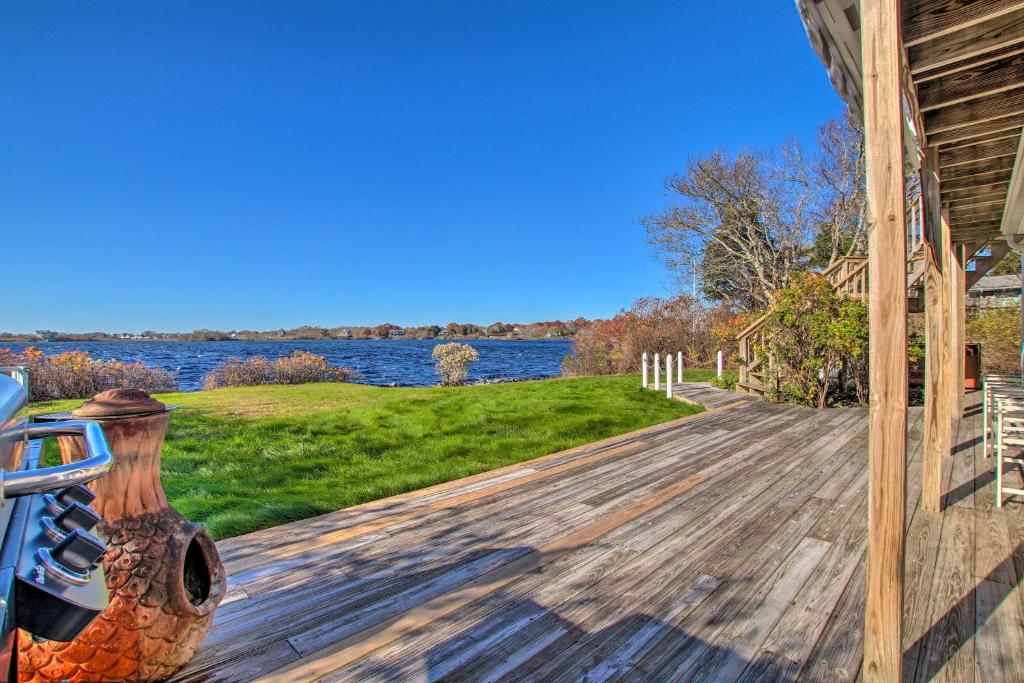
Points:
(849, 278)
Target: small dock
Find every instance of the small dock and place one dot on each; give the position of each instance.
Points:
(724, 546)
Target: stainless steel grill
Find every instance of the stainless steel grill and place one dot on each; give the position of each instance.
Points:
(16, 434)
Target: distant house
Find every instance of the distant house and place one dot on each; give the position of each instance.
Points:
(995, 291)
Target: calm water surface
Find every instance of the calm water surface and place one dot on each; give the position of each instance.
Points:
(404, 362)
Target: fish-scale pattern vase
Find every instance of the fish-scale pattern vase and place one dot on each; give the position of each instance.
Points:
(164, 575)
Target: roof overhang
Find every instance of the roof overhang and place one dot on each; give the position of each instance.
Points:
(963, 64)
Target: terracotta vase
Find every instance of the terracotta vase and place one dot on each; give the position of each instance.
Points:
(164, 574)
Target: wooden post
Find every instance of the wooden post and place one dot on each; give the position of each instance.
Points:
(679, 362)
(657, 372)
(643, 364)
(937, 375)
(949, 334)
(958, 280)
(721, 365)
(961, 327)
(668, 375)
(887, 297)
(744, 360)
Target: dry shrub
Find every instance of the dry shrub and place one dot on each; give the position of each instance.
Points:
(75, 375)
(301, 367)
(652, 325)
(453, 362)
(236, 372)
(998, 332)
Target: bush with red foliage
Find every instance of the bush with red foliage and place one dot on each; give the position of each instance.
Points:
(653, 325)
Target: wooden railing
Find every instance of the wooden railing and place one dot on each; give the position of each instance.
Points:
(915, 248)
(849, 277)
(756, 364)
(915, 229)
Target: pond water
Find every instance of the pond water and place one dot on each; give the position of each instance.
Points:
(398, 362)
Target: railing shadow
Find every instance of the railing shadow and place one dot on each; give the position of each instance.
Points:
(587, 634)
(521, 639)
(968, 488)
(950, 632)
(973, 411)
(966, 445)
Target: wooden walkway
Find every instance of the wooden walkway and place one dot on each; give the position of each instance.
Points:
(724, 546)
(706, 395)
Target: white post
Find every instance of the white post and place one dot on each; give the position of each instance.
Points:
(721, 364)
(643, 363)
(668, 375)
(679, 370)
(657, 372)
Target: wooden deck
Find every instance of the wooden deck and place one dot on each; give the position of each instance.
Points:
(725, 546)
(705, 394)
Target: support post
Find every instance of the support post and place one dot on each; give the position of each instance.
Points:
(657, 372)
(744, 360)
(721, 365)
(887, 297)
(643, 364)
(937, 375)
(668, 375)
(958, 281)
(679, 370)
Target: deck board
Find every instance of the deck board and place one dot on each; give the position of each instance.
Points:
(725, 546)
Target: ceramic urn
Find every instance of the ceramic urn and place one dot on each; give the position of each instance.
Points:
(164, 575)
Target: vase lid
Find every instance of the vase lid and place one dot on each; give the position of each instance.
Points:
(119, 402)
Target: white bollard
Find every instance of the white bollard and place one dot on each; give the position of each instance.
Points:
(668, 375)
(721, 364)
(657, 372)
(643, 364)
(679, 370)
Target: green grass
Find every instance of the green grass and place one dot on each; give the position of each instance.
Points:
(243, 459)
(697, 374)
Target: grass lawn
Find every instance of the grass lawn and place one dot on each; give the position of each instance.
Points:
(247, 458)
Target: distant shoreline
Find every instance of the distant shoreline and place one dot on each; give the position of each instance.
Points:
(109, 340)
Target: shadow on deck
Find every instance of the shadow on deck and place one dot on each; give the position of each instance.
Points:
(729, 546)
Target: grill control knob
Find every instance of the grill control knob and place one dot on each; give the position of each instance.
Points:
(76, 516)
(75, 494)
(78, 551)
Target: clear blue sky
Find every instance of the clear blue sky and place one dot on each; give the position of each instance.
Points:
(259, 165)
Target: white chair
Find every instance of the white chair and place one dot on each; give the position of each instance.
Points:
(1009, 434)
(993, 386)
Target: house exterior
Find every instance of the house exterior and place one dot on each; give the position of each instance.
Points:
(995, 291)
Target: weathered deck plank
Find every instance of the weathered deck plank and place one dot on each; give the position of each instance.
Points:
(726, 546)
(705, 394)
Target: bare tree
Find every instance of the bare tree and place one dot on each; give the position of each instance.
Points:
(835, 178)
(749, 222)
(743, 218)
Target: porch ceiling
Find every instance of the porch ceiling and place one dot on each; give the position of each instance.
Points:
(964, 87)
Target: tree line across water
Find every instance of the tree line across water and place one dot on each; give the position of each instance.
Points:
(551, 329)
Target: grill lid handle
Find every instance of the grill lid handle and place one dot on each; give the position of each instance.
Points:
(98, 459)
